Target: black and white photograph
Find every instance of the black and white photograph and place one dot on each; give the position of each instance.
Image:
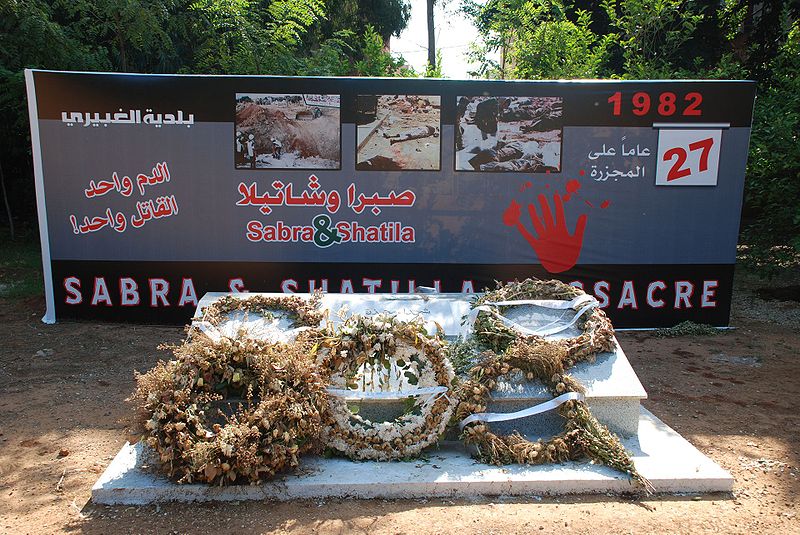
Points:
(508, 134)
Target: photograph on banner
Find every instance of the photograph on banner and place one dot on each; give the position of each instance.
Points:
(509, 134)
(398, 132)
(287, 131)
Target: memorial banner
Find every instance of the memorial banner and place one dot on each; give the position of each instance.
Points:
(154, 189)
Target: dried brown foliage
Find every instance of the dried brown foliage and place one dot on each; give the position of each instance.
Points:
(304, 312)
(234, 410)
(547, 360)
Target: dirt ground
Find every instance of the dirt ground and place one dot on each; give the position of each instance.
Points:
(734, 395)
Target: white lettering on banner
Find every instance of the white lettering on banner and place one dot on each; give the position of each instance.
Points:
(188, 295)
(100, 293)
(371, 284)
(236, 286)
(628, 296)
(130, 294)
(709, 292)
(652, 301)
(127, 117)
(601, 289)
(312, 285)
(683, 294)
(72, 285)
(289, 286)
(688, 157)
(629, 169)
(158, 292)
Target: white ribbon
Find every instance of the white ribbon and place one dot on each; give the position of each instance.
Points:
(585, 301)
(354, 395)
(530, 411)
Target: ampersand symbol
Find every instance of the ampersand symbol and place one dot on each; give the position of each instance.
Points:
(557, 249)
(325, 235)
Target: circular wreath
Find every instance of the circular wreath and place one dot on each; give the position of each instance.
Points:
(382, 347)
(304, 312)
(535, 357)
(232, 410)
(597, 333)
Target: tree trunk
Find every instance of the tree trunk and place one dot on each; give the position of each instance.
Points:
(431, 37)
(5, 199)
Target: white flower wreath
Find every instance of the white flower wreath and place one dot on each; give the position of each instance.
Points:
(379, 353)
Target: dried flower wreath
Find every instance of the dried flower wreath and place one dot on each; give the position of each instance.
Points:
(304, 312)
(375, 351)
(535, 357)
(232, 410)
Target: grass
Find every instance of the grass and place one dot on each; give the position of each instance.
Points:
(686, 328)
(20, 265)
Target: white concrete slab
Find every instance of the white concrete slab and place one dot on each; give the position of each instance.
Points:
(670, 462)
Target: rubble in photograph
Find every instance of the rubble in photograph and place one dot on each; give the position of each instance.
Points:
(398, 132)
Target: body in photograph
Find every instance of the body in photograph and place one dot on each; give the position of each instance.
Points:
(508, 134)
(398, 132)
(287, 131)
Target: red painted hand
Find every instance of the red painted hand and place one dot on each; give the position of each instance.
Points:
(557, 249)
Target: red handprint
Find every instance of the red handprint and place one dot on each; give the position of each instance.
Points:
(557, 249)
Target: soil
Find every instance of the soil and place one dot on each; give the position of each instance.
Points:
(735, 395)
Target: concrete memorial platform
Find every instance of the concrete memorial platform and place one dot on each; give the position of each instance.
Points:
(613, 392)
(670, 463)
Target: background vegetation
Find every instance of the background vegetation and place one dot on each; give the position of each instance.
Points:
(536, 39)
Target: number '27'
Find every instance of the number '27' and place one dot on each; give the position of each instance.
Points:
(679, 154)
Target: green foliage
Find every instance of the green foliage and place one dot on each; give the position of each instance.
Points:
(538, 39)
(244, 36)
(686, 328)
(652, 34)
(386, 17)
(20, 266)
(435, 72)
(377, 61)
(772, 189)
(558, 49)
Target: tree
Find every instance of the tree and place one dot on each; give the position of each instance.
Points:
(431, 36)
(386, 17)
(537, 39)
